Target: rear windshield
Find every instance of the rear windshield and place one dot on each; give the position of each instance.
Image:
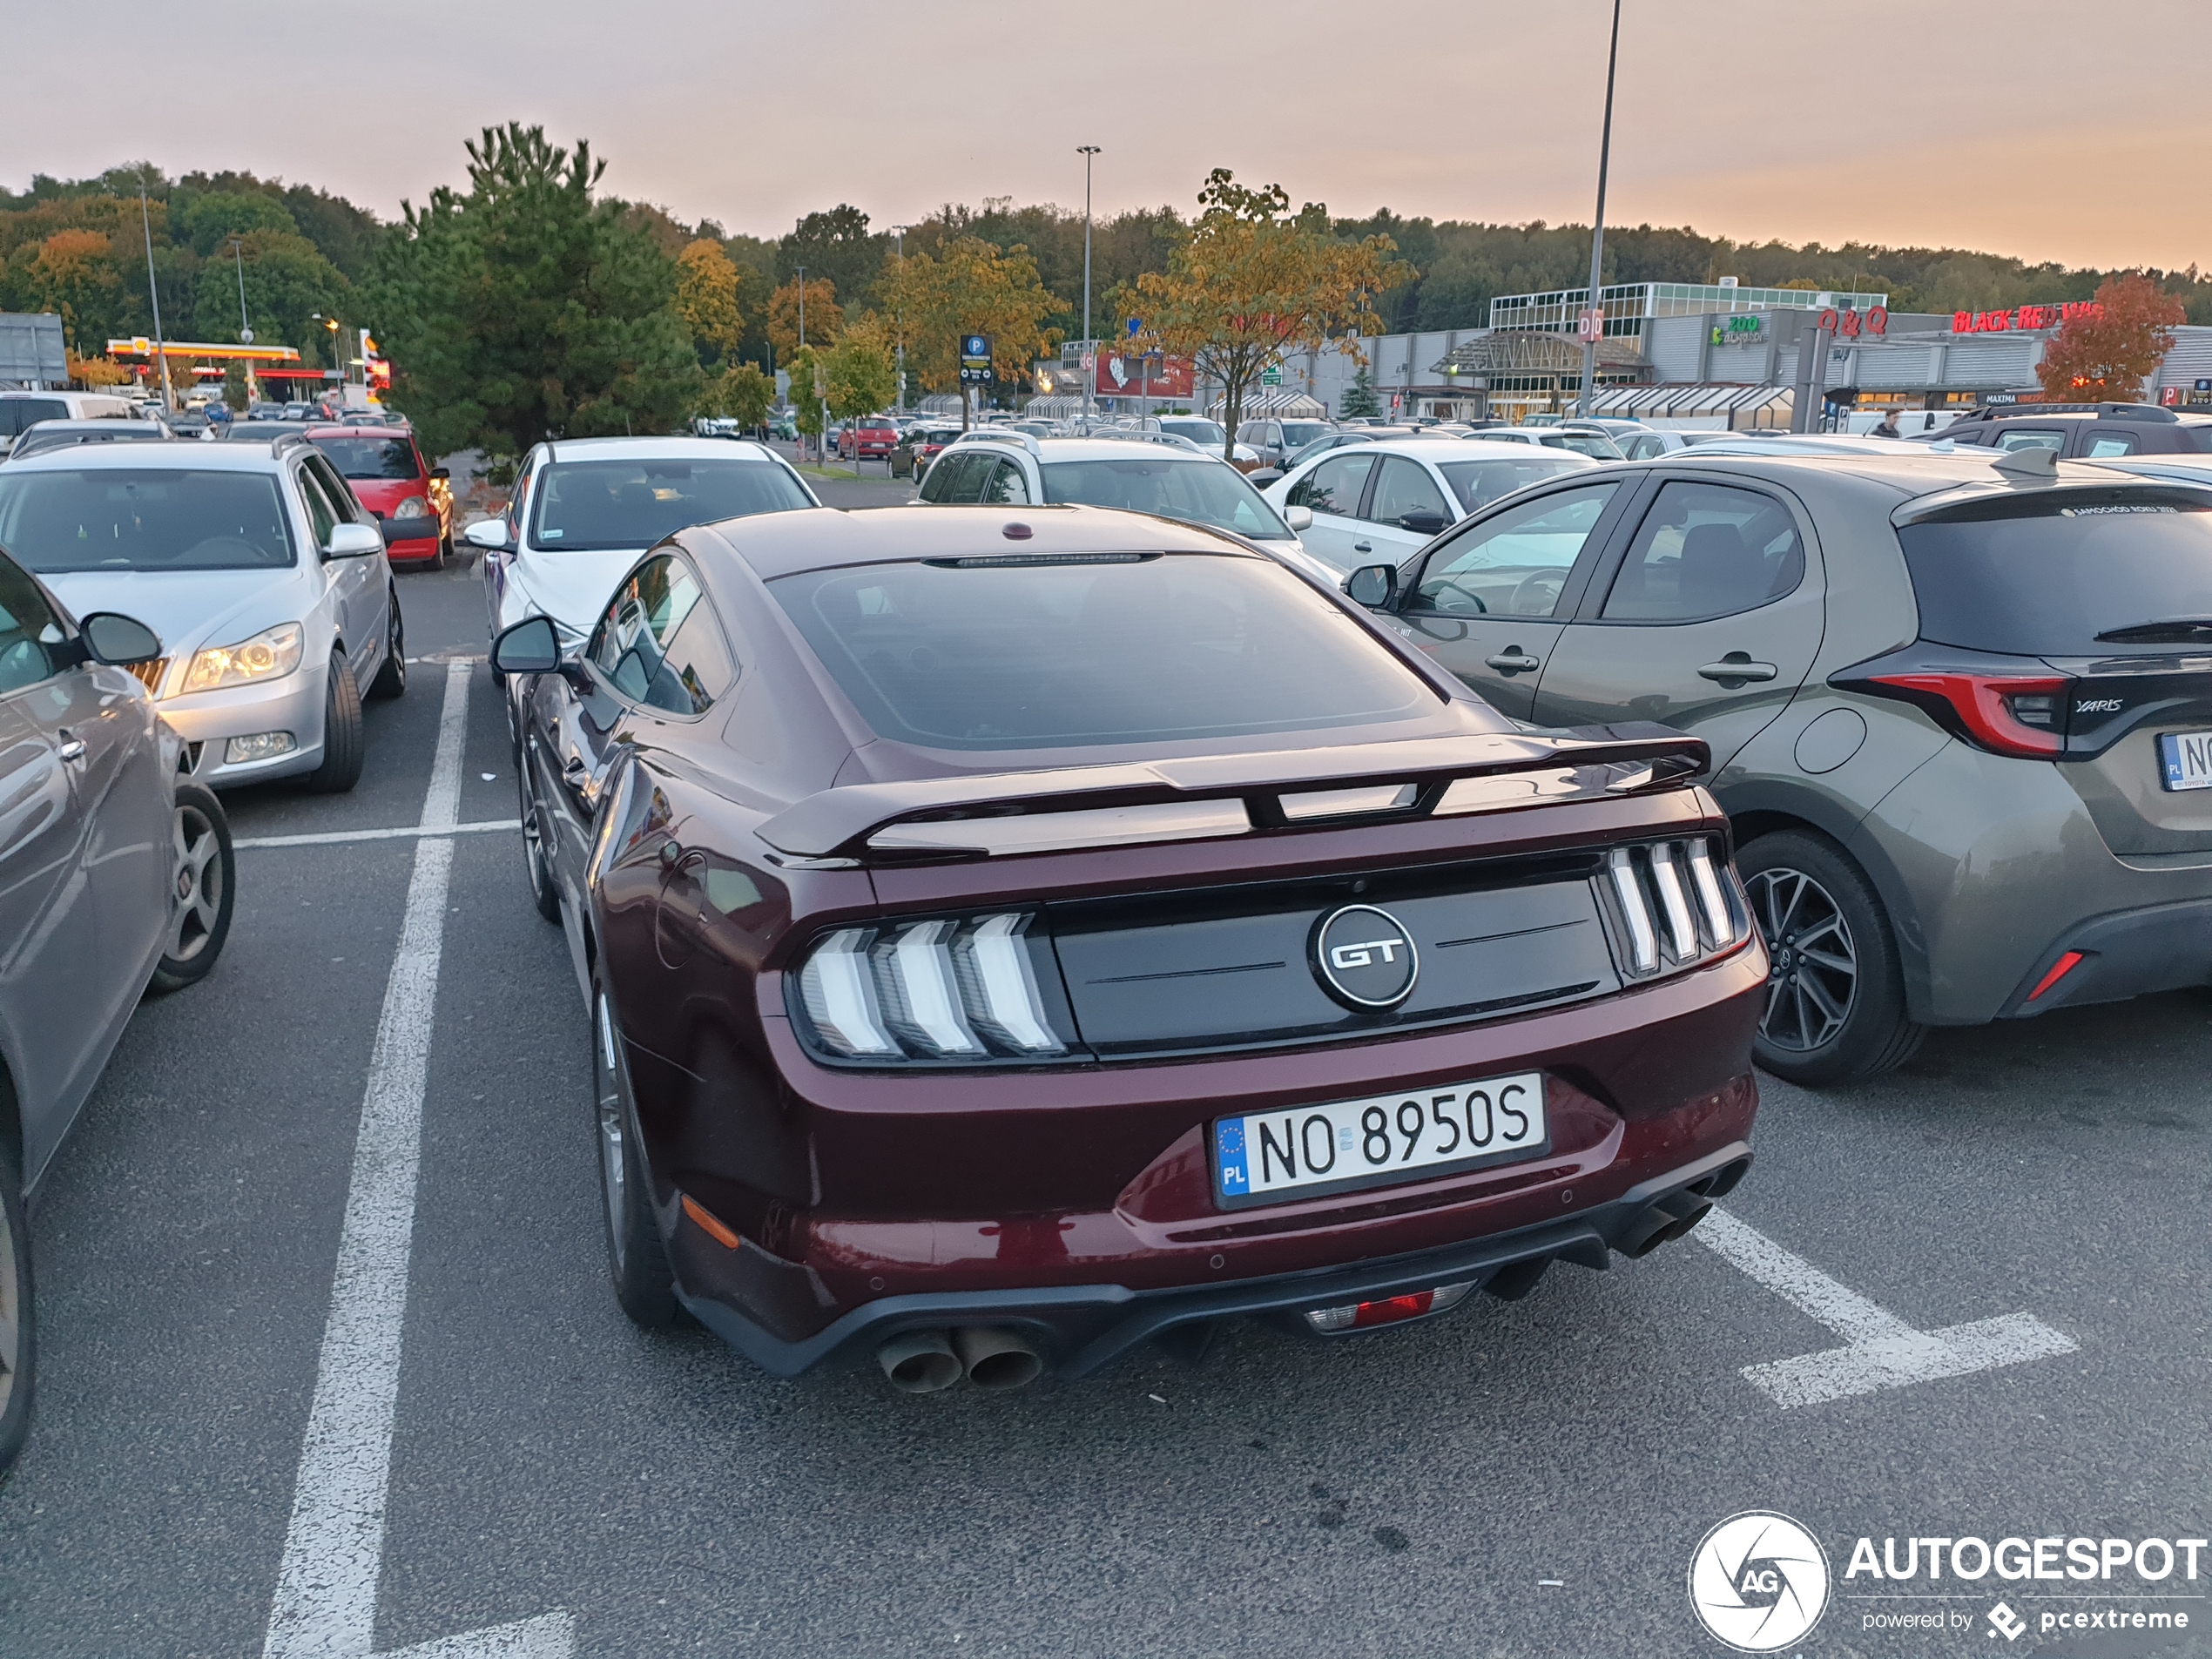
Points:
(594, 506)
(172, 519)
(2045, 577)
(1171, 486)
(371, 458)
(1137, 648)
(1205, 434)
(1477, 483)
(16, 412)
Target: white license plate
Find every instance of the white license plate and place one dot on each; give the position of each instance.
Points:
(1304, 1151)
(2185, 759)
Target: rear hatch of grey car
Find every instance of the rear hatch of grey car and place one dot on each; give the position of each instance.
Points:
(2072, 624)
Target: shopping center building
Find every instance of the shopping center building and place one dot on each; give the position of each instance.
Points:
(1718, 354)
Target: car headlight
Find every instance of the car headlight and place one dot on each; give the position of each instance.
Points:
(267, 656)
(413, 507)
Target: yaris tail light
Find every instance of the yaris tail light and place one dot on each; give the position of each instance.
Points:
(961, 989)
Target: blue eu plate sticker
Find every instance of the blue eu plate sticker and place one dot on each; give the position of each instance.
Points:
(1229, 1156)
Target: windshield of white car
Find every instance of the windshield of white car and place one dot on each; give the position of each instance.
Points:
(167, 519)
(1477, 483)
(598, 506)
(1185, 487)
(1121, 648)
(1205, 434)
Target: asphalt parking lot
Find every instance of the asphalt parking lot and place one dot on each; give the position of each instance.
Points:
(1972, 1300)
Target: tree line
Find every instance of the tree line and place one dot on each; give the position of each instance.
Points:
(527, 302)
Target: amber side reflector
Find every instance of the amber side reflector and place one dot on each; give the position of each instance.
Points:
(708, 1224)
(2060, 969)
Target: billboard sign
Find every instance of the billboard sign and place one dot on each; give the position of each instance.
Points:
(1130, 375)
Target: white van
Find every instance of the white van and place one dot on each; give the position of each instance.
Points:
(21, 410)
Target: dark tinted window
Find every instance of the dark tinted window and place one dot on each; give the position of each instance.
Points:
(16, 412)
(30, 635)
(1297, 434)
(1193, 489)
(1335, 485)
(957, 478)
(1404, 487)
(2046, 576)
(378, 458)
(593, 506)
(659, 643)
(1006, 485)
(1706, 550)
(1140, 649)
(110, 519)
(341, 495)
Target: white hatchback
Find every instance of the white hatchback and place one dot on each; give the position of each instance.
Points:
(585, 510)
(1375, 503)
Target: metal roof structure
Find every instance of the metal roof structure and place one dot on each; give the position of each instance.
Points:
(1766, 406)
(1506, 352)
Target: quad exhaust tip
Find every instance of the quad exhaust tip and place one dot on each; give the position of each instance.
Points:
(920, 1362)
(996, 1358)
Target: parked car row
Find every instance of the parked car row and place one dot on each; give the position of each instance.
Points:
(175, 618)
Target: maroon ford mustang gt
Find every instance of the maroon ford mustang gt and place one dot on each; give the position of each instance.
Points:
(1011, 934)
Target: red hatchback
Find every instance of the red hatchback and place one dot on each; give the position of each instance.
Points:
(1073, 929)
(385, 470)
(871, 438)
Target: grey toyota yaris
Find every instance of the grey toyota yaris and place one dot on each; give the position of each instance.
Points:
(1960, 706)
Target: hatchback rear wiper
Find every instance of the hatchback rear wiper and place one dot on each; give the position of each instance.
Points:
(2179, 629)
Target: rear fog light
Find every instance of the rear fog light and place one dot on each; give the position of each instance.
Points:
(1364, 1316)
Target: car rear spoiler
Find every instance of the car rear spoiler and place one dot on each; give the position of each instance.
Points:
(1418, 775)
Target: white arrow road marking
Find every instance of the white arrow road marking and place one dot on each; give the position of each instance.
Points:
(1881, 1351)
(326, 1595)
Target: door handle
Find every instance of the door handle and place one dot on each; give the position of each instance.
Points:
(1737, 666)
(1363, 547)
(72, 749)
(1514, 661)
(579, 777)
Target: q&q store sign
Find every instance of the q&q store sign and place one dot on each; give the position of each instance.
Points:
(1999, 322)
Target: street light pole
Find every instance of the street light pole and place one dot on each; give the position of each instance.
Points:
(802, 344)
(900, 231)
(1597, 230)
(1090, 347)
(153, 295)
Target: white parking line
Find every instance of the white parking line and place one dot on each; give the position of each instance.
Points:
(1881, 1351)
(334, 838)
(325, 1604)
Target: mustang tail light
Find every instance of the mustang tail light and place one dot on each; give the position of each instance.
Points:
(1675, 904)
(949, 988)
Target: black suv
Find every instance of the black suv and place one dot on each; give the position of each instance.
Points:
(2083, 431)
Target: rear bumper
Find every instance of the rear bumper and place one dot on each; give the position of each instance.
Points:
(2134, 953)
(1082, 1327)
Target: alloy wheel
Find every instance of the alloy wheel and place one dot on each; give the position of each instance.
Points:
(611, 1172)
(1812, 980)
(533, 852)
(197, 883)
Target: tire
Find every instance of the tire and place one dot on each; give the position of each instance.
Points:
(205, 885)
(636, 1259)
(18, 1328)
(543, 893)
(342, 743)
(391, 678)
(1834, 1008)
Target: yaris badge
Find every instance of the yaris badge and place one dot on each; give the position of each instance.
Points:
(1365, 957)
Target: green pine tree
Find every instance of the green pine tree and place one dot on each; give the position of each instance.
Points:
(1360, 397)
(525, 309)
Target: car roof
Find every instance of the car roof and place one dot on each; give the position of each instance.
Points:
(151, 428)
(1098, 446)
(1925, 482)
(184, 455)
(313, 430)
(776, 544)
(652, 449)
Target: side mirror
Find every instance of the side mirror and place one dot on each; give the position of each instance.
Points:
(118, 640)
(1425, 523)
(354, 542)
(1299, 518)
(441, 472)
(490, 533)
(529, 647)
(1372, 585)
